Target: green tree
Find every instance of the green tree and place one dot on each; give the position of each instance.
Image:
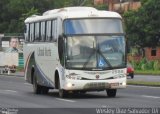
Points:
(12, 12)
(142, 26)
(67, 3)
(101, 6)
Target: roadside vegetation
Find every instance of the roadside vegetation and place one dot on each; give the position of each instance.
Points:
(14, 12)
(146, 67)
(142, 29)
(143, 83)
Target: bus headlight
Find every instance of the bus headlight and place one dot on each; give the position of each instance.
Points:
(69, 85)
(124, 84)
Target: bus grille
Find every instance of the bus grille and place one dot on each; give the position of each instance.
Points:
(95, 85)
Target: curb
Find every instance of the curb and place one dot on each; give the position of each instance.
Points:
(144, 85)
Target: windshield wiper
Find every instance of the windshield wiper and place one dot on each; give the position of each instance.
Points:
(105, 59)
(109, 64)
(84, 66)
(94, 50)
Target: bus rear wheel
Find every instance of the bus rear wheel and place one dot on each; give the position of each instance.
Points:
(36, 88)
(111, 92)
(44, 90)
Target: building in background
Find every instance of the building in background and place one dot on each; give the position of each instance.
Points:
(120, 6)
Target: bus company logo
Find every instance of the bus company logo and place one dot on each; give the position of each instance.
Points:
(97, 76)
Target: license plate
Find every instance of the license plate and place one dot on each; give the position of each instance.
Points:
(114, 85)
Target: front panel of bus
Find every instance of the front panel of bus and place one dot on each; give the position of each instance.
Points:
(94, 53)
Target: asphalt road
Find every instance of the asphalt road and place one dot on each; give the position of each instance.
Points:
(15, 93)
(147, 78)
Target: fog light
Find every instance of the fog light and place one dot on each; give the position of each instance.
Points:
(69, 85)
(124, 83)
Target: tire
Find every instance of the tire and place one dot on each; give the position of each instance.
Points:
(83, 92)
(111, 92)
(13, 71)
(62, 93)
(36, 88)
(132, 75)
(44, 90)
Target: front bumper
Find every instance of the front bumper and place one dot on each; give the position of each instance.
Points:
(94, 84)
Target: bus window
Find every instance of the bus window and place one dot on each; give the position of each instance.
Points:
(48, 31)
(54, 30)
(37, 29)
(31, 32)
(43, 35)
(27, 32)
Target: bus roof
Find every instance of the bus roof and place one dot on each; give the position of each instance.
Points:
(73, 12)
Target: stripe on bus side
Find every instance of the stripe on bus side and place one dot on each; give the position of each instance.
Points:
(27, 62)
(42, 78)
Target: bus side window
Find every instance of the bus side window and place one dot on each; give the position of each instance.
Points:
(33, 38)
(31, 32)
(43, 30)
(54, 30)
(48, 31)
(27, 32)
(37, 30)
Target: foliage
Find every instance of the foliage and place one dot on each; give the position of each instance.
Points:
(142, 26)
(14, 12)
(67, 3)
(156, 84)
(148, 72)
(101, 6)
(144, 65)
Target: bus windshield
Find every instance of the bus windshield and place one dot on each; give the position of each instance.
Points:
(95, 52)
(92, 26)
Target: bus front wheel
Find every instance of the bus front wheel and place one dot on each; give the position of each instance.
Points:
(62, 92)
(111, 92)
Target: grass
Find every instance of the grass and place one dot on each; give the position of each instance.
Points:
(19, 69)
(143, 83)
(148, 72)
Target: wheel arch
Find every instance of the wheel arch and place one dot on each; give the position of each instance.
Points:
(32, 73)
(30, 67)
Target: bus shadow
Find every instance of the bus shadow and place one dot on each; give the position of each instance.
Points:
(87, 95)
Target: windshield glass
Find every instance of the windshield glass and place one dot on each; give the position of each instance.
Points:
(92, 26)
(95, 52)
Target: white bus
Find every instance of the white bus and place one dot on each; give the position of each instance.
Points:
(75, 50)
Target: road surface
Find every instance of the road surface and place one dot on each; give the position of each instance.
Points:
(147, 78)
(16, 93)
